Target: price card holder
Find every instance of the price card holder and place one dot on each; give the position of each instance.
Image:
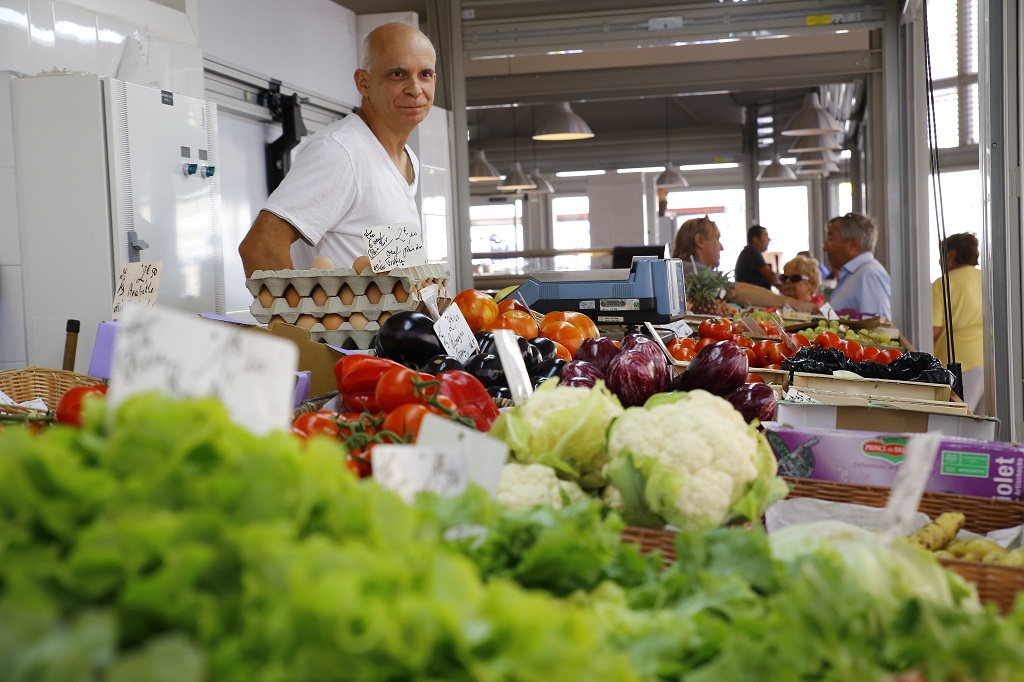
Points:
(396, 245)
(138, 283)
(410, 469)
(906, 492)
(183, 356)
(455, 335)
(512, 362)
(788, 340)
(657, 340)
(680, 329)
(752, 326)
(827, 312)
(429, 296)
(485, 456)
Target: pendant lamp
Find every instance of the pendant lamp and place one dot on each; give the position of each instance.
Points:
(670, 178)
(775, 171)
(543, 186)
(482, 170)
(812, 119)
(815, 143)
(563, 124)
(818, 170)
(516, 178)
(816, 158)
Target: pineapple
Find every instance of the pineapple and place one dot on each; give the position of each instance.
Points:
(706, 290)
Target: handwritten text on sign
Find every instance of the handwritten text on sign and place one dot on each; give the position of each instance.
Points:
(139, 283)
(399, 245)
(176, 354)
(455, 335)
(409, 469)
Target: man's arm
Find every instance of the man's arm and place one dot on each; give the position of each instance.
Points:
(267, 244)
(751, 294)
(769, 275)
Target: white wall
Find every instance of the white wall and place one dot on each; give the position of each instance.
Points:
(618, 206)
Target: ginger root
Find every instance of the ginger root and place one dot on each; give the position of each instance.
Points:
(940, 532)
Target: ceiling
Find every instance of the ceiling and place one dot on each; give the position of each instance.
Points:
(677, 80)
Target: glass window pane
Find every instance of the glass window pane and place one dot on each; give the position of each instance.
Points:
(947, 118)
(971, 111)
(961, 211)
(496, 227)
(571, 230)
(784, 214)
(727, 207)
(942, 38)
(969, 35)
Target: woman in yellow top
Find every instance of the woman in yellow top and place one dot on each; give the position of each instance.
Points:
(966, 311)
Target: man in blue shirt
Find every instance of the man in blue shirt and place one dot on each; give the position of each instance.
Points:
(863, 285)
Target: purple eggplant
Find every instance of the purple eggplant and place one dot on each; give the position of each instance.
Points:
(580, 368)
(634, 377)
(642, 343)
(581, 381)
(598, 351)
(755, 400)
(717, 368)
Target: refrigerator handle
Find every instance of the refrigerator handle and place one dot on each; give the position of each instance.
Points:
(135, 246)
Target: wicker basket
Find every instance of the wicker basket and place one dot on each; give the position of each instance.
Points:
(651, 539)
(38, 382)
(996, 583)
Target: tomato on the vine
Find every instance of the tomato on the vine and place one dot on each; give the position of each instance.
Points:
(717, 328)
(401, 385)
(69, 407)
(404, 421)
(827, 340)
(322, 423)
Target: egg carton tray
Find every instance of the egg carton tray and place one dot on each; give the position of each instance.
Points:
(331, 281)
(361, 304)
(347, 339)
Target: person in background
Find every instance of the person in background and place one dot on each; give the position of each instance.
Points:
(357, 172)
(822, 268)
(965, 302)
(698, 243)
(863, 284)
(750, 265)
(801, 279)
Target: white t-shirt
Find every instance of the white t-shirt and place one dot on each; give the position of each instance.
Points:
(341, 182)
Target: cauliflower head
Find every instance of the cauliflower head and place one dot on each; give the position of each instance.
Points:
(691, 460)
(528, 485)
(563, 427)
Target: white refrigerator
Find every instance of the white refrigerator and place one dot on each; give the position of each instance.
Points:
(108, 173)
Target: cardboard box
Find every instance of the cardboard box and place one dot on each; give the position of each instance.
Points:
(873, 387)
(873, 417)
(965, 466)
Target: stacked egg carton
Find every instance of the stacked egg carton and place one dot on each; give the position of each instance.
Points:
(340, 306)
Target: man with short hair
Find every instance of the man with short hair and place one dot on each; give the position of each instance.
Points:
(864, 285)
(751, 266)
(357, 172)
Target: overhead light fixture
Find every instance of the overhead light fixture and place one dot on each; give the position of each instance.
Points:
(542, 185)
(482, 170)
(578, 174)
(775, 171)
(563, 124)
(516, 178)
(670, 178)
(816, 158)
(815, 143)
(812, 119)
(818, 170)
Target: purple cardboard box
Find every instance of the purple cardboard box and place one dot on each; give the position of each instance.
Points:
(965, 466)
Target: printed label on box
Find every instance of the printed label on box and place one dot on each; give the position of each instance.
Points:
(891, 449)
(964, 464)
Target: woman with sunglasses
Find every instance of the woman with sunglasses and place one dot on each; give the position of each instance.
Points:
(800, 279)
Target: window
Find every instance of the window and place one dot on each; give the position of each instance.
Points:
(571, 230)
(953, 51)
(727, 207)
(494, 228)
(784, 212)
(961, 194)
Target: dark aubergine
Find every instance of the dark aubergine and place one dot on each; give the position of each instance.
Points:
(440, 363)
(717, 368)
(537, 381)
(549, 368)
(634, 377)
(502, 392)
(486, 342)
(546, 347)
(580, 368)
(581, 381)
(487, 368)
(530, 353)
(408, 337)
(598, 351)
(755, 400)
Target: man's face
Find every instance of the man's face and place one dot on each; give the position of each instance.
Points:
(709, 247)
(399, 88)
(839, 250)
(761, 242)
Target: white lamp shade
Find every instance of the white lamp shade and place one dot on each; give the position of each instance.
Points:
(563, 124)
(670, 178)
(818, 170)
(815, 143)
(776, 172)
(516, 180)
(543, 186)
(816, 158)
(482, 170)
(812, 119)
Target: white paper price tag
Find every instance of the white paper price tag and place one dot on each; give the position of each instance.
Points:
(515, 368)
(485, 456)
(827, 312)
(398, 245)
(906, 492)
(429, 295)
(680, 328)
(410, 469)
(187, 357)
(793, 395)
(788, 340)
(138, 283)
(455, 335)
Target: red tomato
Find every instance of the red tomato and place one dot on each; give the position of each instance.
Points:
(682, 349)
(576, 319)
(760, 350)
(401, 385)
(69, 407)
(703, 342)
(752, 360)
(564, 333)
(510, 303)
(870, 353)
(801, 340)
(717, 328)
(774, 353)
(359, 466)
(479, 308)
(521, 322)
(754, 378)
(827, 340)
(322, 423)
(404, 421)
(852, 350)
(888, 355)
(742, 341)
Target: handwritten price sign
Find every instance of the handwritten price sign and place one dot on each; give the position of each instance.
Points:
(399, 245)
(138, 283)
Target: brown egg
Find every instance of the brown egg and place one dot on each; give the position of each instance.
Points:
(291, 296)
(361, 264)
(305, 321)
(346, 295)
(274, 320)
(358, 321)
(383, 317)
(318, 295)
(373, 293)
(332, 321)
(322, 263)
(401, 295)
(266, 298)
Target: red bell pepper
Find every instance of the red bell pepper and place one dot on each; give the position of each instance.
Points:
(356, 376)
(470, 397)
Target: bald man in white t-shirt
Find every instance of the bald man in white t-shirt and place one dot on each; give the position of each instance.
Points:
(357, 172)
